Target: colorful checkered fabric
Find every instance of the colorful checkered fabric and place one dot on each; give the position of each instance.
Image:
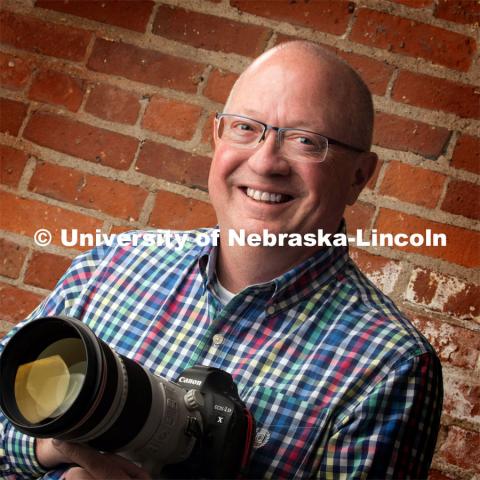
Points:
(341, 385)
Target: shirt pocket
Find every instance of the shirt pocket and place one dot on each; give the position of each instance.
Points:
(287, 430)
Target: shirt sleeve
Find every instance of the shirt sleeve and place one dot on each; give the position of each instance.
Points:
(17, 450)
(392, 431)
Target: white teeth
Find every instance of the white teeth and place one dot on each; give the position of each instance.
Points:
(264, 196)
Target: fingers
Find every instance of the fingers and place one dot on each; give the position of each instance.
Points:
(47, 454)
(96, 465)
(134, 471)
(77, 473)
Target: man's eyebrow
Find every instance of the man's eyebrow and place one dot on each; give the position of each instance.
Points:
(248, 112)
(254, 114)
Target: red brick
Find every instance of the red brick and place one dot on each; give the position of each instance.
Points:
(454, 345)
(109, 196)
(181, 213)
(383, 272)
(414, 3)
(45, 269)
(331, 16)
(162, 161)
(41, 37)
(12, 163)
(466, 155)
(16, 304)
(399, 133)
(460, 11)
(359, 216)
(444, 293)
(57, 88)
(31, 215)
(207, 132)
(461, 399)
(408, 37)
(81, 140)
(12, 256)
(171, 117)
(412, 184)
(462, 198)
(462, 244)
(219, 85)
(113, 104)
(375, 74)
(146, 66)
(210, 32)
(462, 448)
(14, 71)
(116, 229)
(437, 475)
(281, 37)
(464, 303)
(423, 287)
(13, 114)
(131, 15)
(437, 94)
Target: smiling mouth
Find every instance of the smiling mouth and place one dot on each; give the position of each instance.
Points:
(266, 197)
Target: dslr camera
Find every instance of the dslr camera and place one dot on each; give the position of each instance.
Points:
(59, 380)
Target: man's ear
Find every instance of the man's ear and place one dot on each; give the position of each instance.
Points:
(365, 166)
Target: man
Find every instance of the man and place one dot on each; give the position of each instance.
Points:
(341, 385)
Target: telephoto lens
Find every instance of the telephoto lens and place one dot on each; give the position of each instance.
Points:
(59, 380)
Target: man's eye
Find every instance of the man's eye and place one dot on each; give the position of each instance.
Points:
(305, 140)
(243, 126)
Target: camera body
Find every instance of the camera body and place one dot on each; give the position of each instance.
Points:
(217, 435)
(227, 431)
(59, 380)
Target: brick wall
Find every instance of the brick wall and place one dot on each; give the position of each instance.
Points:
(89, 95)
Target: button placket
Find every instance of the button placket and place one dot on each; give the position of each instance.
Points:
(270, 310)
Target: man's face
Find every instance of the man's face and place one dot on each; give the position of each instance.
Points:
(307, 196)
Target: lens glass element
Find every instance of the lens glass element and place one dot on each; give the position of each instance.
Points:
(47, 387)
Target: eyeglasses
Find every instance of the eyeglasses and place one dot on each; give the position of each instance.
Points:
(296, 144)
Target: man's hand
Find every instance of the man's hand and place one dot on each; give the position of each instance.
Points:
(91, 465)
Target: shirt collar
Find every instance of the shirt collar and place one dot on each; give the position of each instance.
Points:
(297, 282)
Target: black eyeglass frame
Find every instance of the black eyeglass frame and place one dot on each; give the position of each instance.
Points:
(266, 127)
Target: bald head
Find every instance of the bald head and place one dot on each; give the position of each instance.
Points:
(346, 106)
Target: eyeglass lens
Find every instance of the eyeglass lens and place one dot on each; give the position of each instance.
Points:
(295, 144)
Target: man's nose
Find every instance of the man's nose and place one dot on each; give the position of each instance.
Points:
(267, 158)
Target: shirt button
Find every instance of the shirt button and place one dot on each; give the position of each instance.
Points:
(217, 339)
(271, 310)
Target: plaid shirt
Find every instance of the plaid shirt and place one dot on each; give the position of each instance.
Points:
(341, 385)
